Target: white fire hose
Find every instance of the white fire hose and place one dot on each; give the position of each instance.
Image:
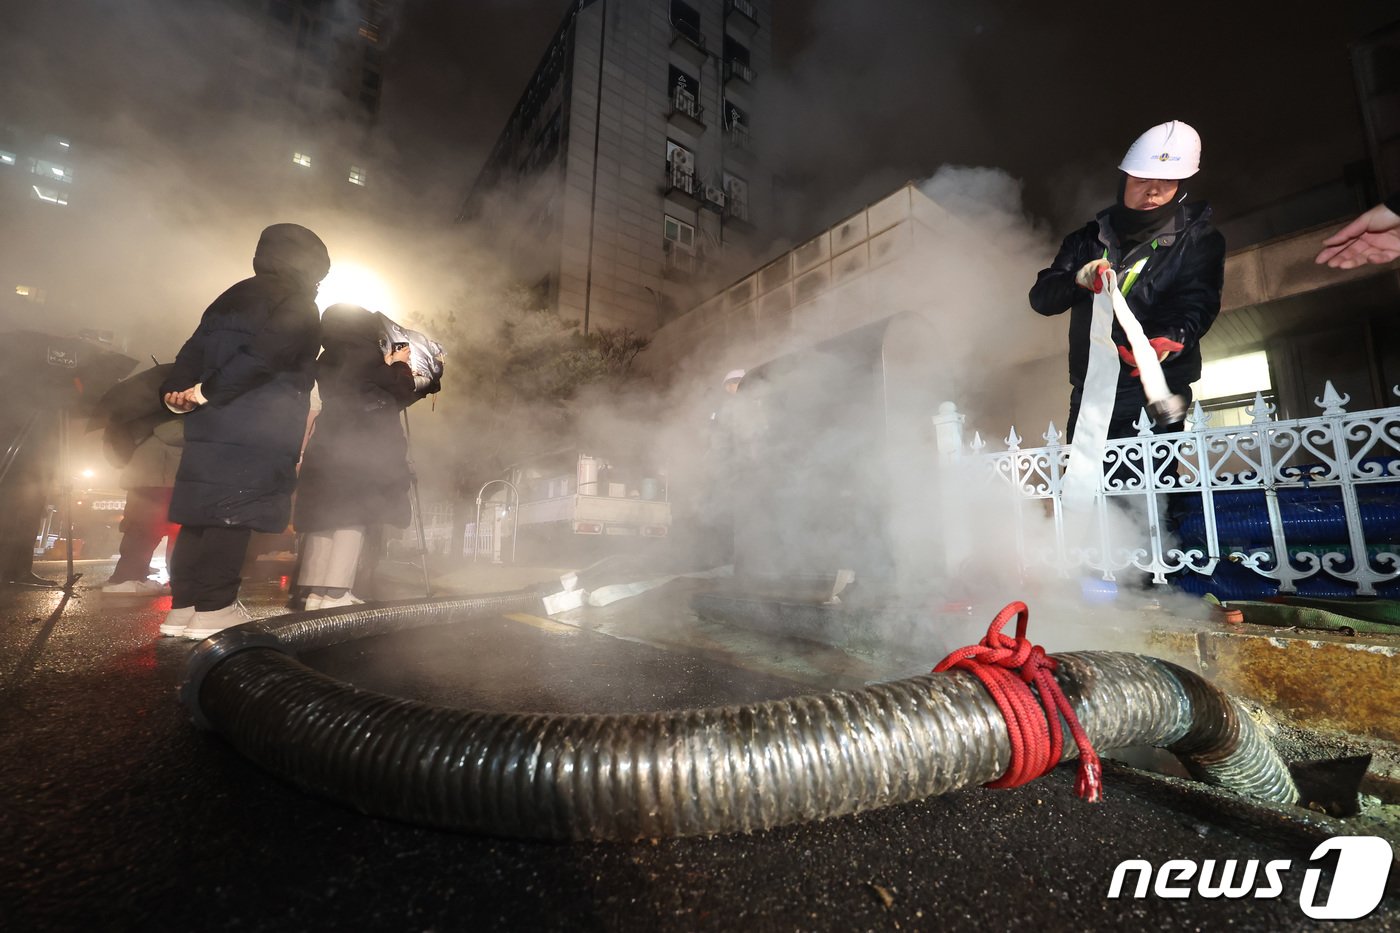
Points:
(1101, 389)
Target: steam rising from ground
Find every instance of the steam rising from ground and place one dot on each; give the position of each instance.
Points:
(183, 161)
(827, 457)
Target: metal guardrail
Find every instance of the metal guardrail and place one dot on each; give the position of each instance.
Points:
(1349, 452)
(682, 101)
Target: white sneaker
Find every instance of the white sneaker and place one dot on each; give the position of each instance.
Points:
(135, 588)
(312, 602)
(176, 620)
(338, 602)
(205, 624)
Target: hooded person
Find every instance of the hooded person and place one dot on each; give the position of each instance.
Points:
(244, 377)
(1170, 265)
(355, 474)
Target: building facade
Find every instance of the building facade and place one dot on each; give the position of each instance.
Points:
(626, 175)
(313, 70)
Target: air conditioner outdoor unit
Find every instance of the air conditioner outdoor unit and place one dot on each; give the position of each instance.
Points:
(682, 161)
(715, 195)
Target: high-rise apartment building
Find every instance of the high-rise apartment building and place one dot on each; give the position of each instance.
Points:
(315, 70)
(628, 163)
(285, 108)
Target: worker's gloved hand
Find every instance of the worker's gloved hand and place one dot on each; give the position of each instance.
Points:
(1090, 276)
(1166, 348)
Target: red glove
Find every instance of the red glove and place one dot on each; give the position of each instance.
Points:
(1165, 347)
(1090, 275)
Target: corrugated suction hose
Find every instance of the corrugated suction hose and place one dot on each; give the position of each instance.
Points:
(677, 773)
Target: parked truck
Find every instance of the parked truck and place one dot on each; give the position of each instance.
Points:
(572, 503)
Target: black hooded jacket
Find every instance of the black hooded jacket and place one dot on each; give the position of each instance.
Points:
(355, 471)
(1177, 294)
(253, 355)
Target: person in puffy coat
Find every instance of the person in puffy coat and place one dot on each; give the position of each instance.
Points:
(1170, 264)
(355, 473)
(245, 378)
(148, 478)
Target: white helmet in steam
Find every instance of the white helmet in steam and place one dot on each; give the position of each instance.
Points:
(1169, 150)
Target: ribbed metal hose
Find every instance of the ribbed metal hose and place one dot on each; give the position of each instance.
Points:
(678, 773)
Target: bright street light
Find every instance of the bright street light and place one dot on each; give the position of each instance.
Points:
(355, 284)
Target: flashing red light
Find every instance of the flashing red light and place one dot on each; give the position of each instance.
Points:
(283, 580)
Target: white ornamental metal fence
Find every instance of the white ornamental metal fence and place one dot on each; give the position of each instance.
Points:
(1289, 500)
(437, 527)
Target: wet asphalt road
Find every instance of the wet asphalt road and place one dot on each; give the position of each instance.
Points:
(119, 814)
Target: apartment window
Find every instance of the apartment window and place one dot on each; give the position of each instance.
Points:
(302, 158)
(49, 195)
(29, 291)
(685, 93)
(686, 21)
(680, 166)
(736, 190)
(50, 171)
(357, 176)
(736, 123)
(369, 31)
(679, 233)
(736, 60)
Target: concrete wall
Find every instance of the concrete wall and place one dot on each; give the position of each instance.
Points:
(1284, 267)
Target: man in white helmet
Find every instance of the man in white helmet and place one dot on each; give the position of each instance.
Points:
(1170, 264)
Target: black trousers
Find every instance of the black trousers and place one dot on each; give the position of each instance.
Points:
(145, 522)
(207, 567)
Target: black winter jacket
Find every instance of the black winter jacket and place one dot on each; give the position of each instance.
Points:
(254, 353)
(355, 471)
(1177, 295)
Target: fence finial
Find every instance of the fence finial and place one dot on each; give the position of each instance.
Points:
(1261, 412)
(1200, 418)
(1331, 402)
(1052, 436)
(1013, 440)
(1143, 423)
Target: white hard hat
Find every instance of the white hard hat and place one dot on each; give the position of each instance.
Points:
(734, 375)
(1168, 150)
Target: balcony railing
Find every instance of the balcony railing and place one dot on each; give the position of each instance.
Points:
(678, 262)
(684, 102)
(680, 179)
(737, 69)
(737, 134)
(1309, 506)
(689, 32)
(734, 209)
(743, 8)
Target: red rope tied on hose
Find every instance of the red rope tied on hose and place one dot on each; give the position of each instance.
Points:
(1008, 667)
